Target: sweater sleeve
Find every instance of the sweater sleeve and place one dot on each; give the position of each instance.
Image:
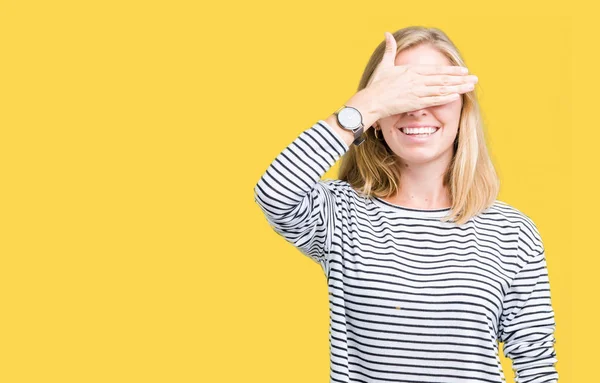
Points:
(527, 323)
(296, 203)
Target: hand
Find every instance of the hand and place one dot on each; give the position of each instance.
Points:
(401, 88)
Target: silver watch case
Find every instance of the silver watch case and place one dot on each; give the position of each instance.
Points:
(350, 119)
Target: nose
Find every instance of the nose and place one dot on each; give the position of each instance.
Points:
(419, 112)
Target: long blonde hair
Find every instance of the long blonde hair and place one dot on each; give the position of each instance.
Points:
(372, 168)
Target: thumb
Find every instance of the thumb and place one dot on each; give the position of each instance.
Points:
(389, 55)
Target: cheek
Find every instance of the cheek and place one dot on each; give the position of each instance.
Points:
(390, 120)
(450, 115)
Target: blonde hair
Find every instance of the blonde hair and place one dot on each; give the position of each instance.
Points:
(372, 168)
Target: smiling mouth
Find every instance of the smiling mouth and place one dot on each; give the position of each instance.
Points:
(419, 132)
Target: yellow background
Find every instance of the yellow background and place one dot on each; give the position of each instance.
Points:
(133, 133)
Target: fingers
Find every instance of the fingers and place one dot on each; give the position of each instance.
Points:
(440, 69)
(389, 55)
(440, 100)
(444, 90)
(447, 79)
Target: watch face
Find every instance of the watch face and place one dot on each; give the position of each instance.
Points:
(349, 118)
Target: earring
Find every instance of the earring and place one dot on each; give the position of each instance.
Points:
(375, 132)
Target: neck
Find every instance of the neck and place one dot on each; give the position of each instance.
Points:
(422, 186)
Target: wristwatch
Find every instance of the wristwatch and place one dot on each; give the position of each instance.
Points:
(350, 119)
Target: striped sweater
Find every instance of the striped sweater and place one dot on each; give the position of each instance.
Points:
(412, 298)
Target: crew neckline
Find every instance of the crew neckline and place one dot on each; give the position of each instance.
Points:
(409, 211)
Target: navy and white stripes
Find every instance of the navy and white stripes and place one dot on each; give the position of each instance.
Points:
(413, 299)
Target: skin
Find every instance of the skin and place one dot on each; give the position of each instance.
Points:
(423, 163)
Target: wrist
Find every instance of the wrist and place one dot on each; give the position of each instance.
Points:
(364, 102)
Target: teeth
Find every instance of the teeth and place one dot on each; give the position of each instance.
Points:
(420, 130)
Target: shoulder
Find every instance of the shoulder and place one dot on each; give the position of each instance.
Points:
(344, 190)
(530, 241)
(335, 183)
(338, 187)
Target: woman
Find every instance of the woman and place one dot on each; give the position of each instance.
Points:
(427, 271)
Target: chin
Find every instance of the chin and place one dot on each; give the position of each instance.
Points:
(417, 156)
(417, 160)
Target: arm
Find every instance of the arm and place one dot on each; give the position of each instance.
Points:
(297, 204)
(527, 322)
